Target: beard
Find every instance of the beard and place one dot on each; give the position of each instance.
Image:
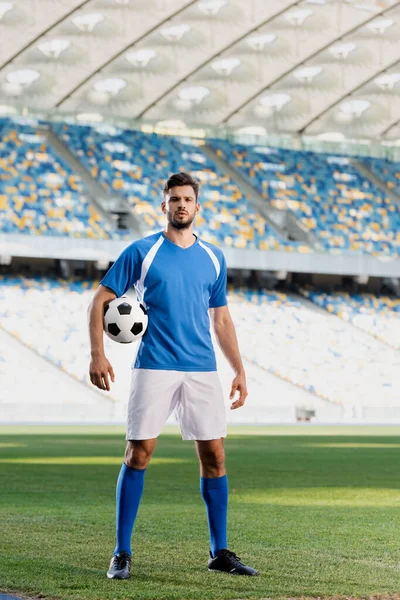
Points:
(181, 222)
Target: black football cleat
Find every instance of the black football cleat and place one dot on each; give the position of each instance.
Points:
(120, 566)
(228, 562)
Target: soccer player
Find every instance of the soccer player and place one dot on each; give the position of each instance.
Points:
(180, 280)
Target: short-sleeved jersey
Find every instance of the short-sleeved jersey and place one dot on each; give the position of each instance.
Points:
(177, 286)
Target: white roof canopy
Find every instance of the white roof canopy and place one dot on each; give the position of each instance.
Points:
(289, 66)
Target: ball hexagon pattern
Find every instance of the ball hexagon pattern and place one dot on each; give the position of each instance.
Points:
(125, 320)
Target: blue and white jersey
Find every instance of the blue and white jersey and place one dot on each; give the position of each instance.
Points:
(177, 286)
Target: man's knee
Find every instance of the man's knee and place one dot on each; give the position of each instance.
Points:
(137, 455)
(212, 459)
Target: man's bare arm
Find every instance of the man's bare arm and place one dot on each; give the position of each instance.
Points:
(227, 340)
(100, 368)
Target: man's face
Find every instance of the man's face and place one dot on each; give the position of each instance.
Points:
(180, 206)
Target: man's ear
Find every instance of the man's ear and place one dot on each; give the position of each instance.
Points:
(163, 204)
(197, 207)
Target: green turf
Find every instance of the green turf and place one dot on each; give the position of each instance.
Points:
(317, 510)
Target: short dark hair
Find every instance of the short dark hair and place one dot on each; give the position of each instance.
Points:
(180, 179)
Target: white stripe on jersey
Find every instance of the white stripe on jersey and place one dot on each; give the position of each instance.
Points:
(146, 264)
(212, 256)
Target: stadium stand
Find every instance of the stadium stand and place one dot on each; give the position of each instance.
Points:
(54, 334)
(44, 394)
(386, 170)
(325, 192)
(321, 355)
(39, 194)
(60, 336)
(377, 315)
(137, 165)
(315, 351)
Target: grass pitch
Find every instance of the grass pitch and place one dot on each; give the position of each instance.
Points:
(316, 510)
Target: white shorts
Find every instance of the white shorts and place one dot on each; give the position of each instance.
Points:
(196, 397)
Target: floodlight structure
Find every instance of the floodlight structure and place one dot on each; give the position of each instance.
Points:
(258, 41)
(297, 17)
(105, 89)
(275, 101)
(174, 33)
(211, 7)
(17, 81)
(195, 94)
(271, 103)
(379, 26)
(387, 81)
(23, 77)
(225, 66)
(111, 86)
(190, 96)
(88, 21)
(140, 58)
(341, 50)
(351, 109)
(307, 74)
(53, 48)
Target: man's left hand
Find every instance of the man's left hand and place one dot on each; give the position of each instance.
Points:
(238, 385)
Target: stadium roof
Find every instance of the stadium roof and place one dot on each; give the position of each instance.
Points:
(311, 67)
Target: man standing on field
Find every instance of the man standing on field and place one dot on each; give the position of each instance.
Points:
(178, 278)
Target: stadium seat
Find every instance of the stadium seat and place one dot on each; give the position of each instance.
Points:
(377, 315)
(325, 356)
(319, 353)
(39, 194)
(137, 165)
(386, 170)
(325, 192)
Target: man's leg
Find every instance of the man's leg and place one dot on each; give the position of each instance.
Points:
(152, 397)
(130, 489)
(214, 489)
(128, 495)
(202, 417)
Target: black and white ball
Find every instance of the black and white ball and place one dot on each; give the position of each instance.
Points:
(125, 320)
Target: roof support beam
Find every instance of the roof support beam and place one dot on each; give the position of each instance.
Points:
(391, 125)
(213, 57)
(42, 33)
(342, 97)
(300, 63)
(124, 49)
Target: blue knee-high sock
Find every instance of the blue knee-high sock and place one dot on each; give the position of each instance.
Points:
(215, 495)
(129, 493)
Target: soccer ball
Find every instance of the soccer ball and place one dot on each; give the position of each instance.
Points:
(125, 320)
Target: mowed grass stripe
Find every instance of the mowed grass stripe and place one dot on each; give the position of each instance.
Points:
(318, 514)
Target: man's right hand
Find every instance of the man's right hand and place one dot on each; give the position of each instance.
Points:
(99, 370)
